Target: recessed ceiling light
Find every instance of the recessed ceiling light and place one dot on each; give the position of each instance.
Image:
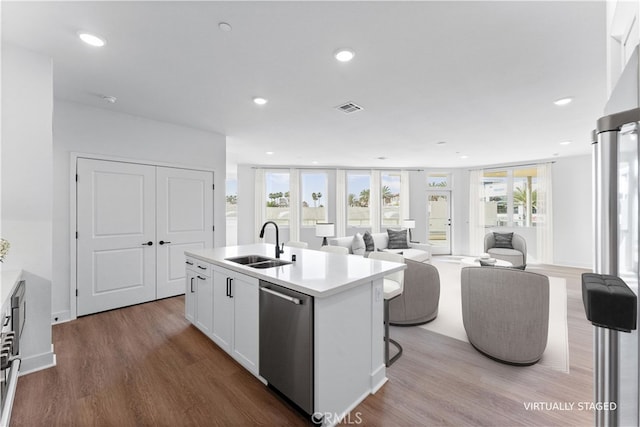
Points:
(224, 26)
(441, 142)
(464, 156)
(269, 153)
(260, 101)
(565, 143)
(344, 55)
(563, 101)
(556, 154)
(315, 162)
(109, 99)
(91, 39)
(381, 158)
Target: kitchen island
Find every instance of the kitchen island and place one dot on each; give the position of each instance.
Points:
(347, 294)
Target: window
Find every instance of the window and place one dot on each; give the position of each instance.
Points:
(358, 209)
(510, 197)
(277, 196)
(438, 180)
(314, 198)
(231, 211)
(390, 194)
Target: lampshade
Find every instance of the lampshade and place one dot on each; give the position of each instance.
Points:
(409, 223)
(325, 229)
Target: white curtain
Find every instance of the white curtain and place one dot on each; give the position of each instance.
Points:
(544, 214)
(259, 201)
(341, 203)
(294, 204)
(375, 201)
(476, 213)
(405, 197)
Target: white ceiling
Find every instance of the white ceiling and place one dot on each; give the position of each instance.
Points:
(479, 75)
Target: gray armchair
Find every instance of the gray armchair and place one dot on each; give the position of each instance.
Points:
(516, 255)
(505, 313)
(418, 303)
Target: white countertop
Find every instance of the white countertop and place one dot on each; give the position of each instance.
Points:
(314, 273)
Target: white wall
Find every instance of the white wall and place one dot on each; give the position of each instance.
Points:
(573, 238)
(27, 108)
(79, 128)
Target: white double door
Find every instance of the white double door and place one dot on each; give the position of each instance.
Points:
(134, 223)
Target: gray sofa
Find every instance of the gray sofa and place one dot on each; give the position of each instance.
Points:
(418, 303)
(417, 251)
(505, 313)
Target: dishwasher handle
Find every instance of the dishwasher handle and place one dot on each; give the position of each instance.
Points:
(283, 296)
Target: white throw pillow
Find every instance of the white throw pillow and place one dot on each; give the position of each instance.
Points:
(357, 245)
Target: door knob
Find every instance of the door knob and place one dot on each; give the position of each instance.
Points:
(162, 242)
(148, 244)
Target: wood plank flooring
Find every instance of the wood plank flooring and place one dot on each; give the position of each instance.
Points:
(146, 366)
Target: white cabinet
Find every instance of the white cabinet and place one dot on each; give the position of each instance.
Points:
(199, 295)
(235, 316)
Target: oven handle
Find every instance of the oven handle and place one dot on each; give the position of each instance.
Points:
(7, 319)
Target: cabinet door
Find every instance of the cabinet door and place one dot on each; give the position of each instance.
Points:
(222, 310)
(245, 322)
(116, 251)
(204, 304)
(184, 222)
(190, 296)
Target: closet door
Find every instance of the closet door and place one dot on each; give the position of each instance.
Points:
(116, 243)
(184, 222)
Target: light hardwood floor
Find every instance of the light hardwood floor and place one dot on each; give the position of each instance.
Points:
(146, 366)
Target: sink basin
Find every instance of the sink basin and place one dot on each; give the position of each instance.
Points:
(269, 264)
(248, 259)
(258, 261)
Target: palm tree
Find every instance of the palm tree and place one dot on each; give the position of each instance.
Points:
(386, 194)
(364, 198)
(352, 200)
(315, 197)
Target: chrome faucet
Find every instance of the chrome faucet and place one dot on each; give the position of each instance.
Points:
(278, 250)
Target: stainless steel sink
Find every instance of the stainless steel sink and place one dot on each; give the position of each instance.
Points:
(269, 264)
(258, 261)
(248, 259)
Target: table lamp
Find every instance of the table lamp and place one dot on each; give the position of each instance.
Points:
(324, 230)
(409, 223)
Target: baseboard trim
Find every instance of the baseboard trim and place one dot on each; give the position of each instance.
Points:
(38, 362)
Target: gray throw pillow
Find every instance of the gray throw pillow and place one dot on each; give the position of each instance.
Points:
(369, 245)
(357, 245)
(503, 240)
(397, 239)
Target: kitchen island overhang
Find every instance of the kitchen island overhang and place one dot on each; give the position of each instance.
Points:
(348, 297)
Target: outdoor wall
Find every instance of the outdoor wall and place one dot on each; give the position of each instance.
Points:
(84, 129)
(26, 159)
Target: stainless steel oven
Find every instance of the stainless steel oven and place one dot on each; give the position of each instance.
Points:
(10, 335)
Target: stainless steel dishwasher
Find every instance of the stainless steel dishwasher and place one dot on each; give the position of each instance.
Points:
(286, 343)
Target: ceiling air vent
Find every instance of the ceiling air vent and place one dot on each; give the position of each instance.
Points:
(349, 108)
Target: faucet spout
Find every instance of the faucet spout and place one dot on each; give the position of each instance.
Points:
(278, 250)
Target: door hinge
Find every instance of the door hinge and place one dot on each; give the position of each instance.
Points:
(213, 186)
(76, 292)
(76, 177)
(76, 234)
(214, 228)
